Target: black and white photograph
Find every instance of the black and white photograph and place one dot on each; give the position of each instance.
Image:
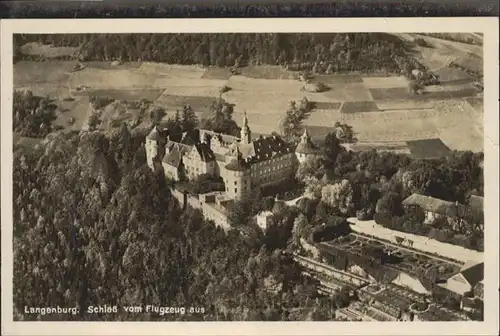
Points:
(249, 176)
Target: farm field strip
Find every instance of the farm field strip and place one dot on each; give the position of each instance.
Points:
(172, 70)
(458, 47)
(266, 72)
(455, 139)
(52, 72)
(242, 83)
(164, 82)
(401, 105)
(189, 91)
(385, 82)
(349, 92)
(338, 79)
(448, 74)
(116, 79)
(217, 73)
(46, 89)
(123, 94)
(261, 102)
(173, 102)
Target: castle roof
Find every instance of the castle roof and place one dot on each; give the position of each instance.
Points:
(237, 163)
(263, 149)
(224, 138)
(305, 145)
(205, 152)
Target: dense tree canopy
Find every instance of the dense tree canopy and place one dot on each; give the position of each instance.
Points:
(93, 225)
(32, 115)
(326, 51)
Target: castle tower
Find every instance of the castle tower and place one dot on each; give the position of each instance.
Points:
(246, 134)
(305, 148)
(237, 175)
(152, 147)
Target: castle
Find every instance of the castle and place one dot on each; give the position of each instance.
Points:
(242, 163)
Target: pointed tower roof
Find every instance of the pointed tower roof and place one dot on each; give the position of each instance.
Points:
(245, 119)
(306, 146)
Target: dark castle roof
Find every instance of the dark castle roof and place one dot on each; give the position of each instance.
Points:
(189, 138)
(263, 149)
(205, 152)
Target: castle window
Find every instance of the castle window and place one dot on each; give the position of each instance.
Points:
(235, 183)
(235, 190)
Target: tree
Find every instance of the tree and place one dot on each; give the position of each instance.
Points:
(157, 114)
(239, 213)
(189, 120)
(389, 204)
(220, 119)
(313, 166)
(339, 196)
(93, 121)
(331, 148)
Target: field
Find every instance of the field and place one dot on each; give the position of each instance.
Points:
(358, 106)
(428, 148)
(50, 72)
(37, 49)
(380, 108)
(476, 103)
(126, 94)
(266, 72)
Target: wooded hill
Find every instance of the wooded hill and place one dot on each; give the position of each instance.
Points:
(341, 51)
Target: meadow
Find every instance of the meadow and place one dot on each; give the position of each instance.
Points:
(378, 108)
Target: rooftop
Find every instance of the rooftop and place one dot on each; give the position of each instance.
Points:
(305, 145)
(435, 205)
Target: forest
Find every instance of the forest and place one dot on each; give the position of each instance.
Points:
(32, 115)
(339, 52)
(93, 225)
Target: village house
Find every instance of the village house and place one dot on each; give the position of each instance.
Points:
(264, 219)
(464, 282)
(454, 213)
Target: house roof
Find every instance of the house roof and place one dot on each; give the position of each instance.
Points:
(473, 272)
(435, 205)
